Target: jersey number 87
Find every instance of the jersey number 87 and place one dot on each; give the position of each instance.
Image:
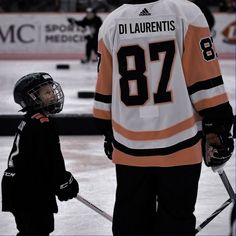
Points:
(162, 95)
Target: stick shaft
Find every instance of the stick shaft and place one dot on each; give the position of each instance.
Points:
(231, 193)
(213, 215)
(93, 207)
(227, 185)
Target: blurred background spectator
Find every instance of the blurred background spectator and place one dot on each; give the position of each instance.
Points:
(82, 5)
(29, 5)
(227, 5)
(54, 5)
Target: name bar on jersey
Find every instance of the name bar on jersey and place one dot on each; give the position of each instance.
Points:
(144, 27)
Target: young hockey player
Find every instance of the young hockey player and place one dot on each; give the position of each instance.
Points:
(36, 171)
(159, 86)
(93, 22)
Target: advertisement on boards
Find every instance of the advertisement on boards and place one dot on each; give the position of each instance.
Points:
(52, 36)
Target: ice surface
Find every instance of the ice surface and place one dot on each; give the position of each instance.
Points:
(85, 158)
(80, 77)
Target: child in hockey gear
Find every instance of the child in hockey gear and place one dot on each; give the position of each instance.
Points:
(158, 77)
(93, 22)
(36, 171)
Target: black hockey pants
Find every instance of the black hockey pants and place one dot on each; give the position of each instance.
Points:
(155, 200)
(91, 46)
(34, 223)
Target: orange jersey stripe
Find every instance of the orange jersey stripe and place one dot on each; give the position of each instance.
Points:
(104, 80)
(194, 69)
(188, 156)
(211, 102)
(151, 135)
(106, 115)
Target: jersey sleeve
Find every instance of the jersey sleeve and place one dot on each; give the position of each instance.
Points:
(201, 68)
(102, 104)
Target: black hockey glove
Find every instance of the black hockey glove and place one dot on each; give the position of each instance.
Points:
(108, 148)
(216, 154)
(71, 20)
(68, 189)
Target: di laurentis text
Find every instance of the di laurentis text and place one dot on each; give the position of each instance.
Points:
(146, 27)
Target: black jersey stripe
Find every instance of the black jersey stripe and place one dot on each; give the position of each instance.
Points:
(102, 98)
(159, 151)
(202, 85)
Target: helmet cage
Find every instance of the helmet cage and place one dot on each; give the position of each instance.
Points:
(54, 106)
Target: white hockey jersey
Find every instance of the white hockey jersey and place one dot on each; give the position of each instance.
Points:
(158, 68)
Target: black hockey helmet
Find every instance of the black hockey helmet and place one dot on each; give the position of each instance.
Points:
(26, 93)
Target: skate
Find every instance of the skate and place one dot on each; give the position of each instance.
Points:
(84, 61)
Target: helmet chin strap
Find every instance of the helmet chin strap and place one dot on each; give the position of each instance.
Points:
(46, 110)
(53, 108)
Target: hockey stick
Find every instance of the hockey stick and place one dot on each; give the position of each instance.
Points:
(93, 207)
(213, 215)
(231, 193)
(226, 182)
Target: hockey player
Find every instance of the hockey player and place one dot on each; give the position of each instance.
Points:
(36, 170)
(93, 22)
(159, 84)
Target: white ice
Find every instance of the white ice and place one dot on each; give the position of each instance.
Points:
(85, 158)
